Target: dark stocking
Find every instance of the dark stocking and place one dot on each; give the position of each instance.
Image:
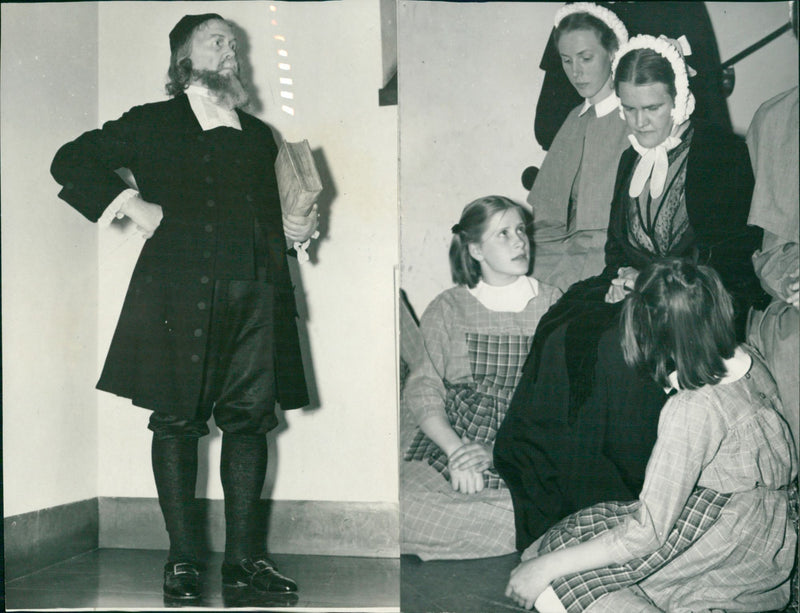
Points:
(175, 471)
(243, 468)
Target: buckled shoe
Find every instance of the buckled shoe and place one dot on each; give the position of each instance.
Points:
(259, 572)
(181, 581)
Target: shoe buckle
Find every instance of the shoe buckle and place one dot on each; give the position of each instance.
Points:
(262, 564)
(184, 568)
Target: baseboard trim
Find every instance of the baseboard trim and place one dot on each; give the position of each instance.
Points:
(291, 526)
(40, 538)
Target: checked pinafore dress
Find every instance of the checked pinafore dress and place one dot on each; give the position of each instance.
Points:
(474, 357)
(712, 528)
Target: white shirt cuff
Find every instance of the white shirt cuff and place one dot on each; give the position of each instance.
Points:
(113, 211)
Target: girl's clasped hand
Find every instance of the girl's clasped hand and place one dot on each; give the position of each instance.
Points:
(466, 465)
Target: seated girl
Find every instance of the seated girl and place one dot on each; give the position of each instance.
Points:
(476, 337)
(571, 196)
(710, 530)
(582, 424)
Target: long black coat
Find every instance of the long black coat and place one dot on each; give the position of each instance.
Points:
(212, 186)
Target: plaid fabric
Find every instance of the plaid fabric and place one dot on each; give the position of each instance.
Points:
(445, 324)
(440, 523)
(579, 590)
(794, 517)
(477, 409)
(471, 413)
(497, 361)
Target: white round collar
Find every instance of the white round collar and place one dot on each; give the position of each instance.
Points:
(511, 298)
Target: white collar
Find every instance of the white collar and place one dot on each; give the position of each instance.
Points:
(737, 366)
(511, 298)
(209, 114)
(198, 90)
(606, 106)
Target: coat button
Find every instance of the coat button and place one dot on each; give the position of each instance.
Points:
(206, 255)
(210, 203)
(204, 279)
(209, 227)
(201, 306)
(198, 333)
(209, 180)
(207, 157)
(249, 197)
(195, 358)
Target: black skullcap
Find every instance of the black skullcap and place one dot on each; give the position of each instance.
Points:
(184, 28)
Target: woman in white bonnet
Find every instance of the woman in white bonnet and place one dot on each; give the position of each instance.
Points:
(571, 196)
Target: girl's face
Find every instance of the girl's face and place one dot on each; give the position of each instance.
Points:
(586, 63)
(504, 250)
(647, 111)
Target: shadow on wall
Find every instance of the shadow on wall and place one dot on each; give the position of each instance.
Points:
(255, 105)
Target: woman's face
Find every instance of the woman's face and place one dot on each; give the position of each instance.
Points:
(647, 111)
(586, 63)
(504, 250)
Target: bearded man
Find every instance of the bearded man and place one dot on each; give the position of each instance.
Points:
(208, 323)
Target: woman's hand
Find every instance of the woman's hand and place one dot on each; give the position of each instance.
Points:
(466, 481)
(146, 215)
(626, 279)
(527, 581)
(470, 456)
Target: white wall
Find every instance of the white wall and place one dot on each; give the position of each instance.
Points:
(49, 93)
(768, 71)
(469, 81)
(342, 450)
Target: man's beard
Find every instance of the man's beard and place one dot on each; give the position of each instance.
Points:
(226, 88)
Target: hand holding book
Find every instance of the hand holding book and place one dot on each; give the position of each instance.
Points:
(299, 186)
(300, 228)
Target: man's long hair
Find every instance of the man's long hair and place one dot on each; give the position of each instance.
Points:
(180, 68)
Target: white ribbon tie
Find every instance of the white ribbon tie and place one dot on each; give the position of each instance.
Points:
(653, 165)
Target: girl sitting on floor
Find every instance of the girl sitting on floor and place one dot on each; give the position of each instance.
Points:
(710, 529)
(476, 337)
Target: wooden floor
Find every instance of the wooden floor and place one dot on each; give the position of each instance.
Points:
(460, 586)
(470, 586)
(130, 579)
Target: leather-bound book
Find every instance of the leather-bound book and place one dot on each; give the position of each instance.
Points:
(298, 179)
